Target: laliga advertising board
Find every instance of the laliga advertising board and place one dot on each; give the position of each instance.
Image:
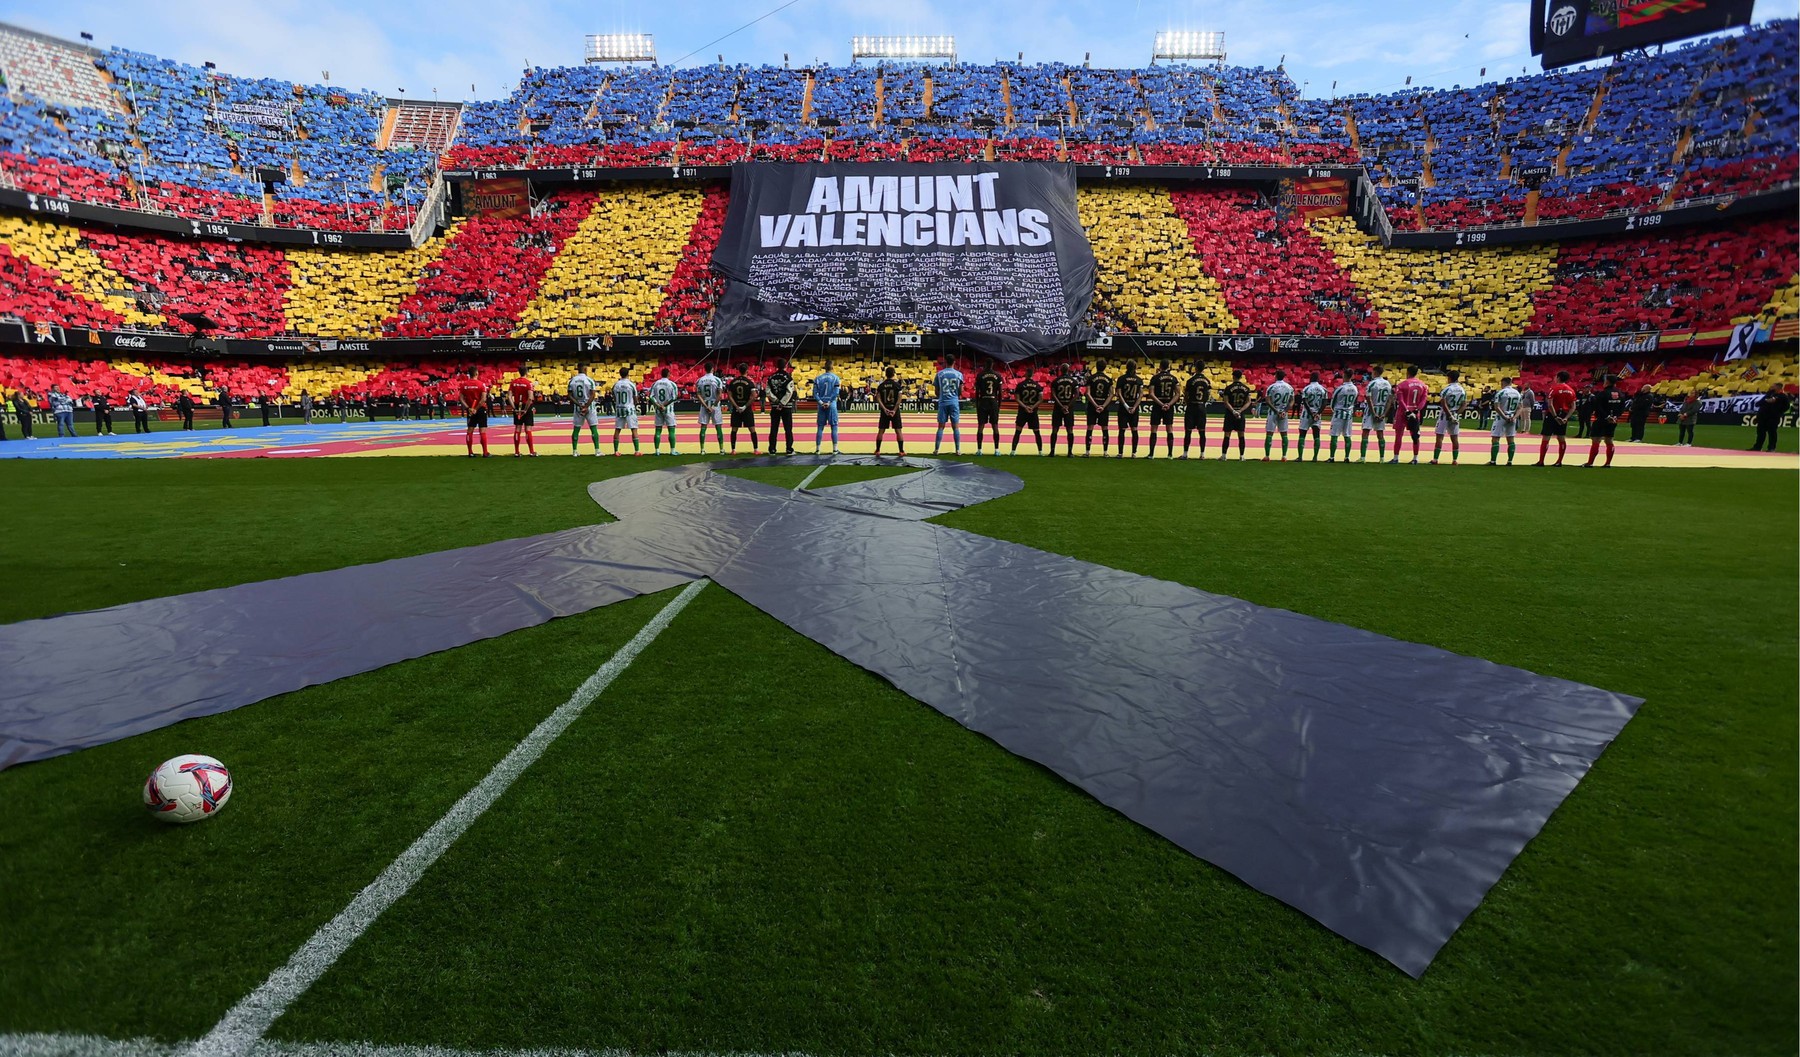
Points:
(991, 253)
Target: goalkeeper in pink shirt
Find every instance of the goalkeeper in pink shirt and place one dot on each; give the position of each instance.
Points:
(1411, 396)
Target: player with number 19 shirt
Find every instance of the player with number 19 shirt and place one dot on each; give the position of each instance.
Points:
(624, 394)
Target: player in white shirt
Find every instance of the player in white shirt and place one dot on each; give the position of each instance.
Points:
(708, 391)
(1312, 409)
(1506, 421)
(663, 394)
(587, 409)
(1449, 424)
(624, 394)
(1378, 404)
(1280, 397)
(1343, 410)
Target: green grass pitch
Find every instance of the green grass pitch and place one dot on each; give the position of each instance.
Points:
(749, 844)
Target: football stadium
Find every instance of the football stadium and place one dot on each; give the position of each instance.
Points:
(713, 547)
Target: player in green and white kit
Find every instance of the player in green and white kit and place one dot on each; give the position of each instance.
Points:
(663, 394)
(708, 390)
(1312, 408)
(624, 394)
(1343, 412)
(587, 409)
(1378, 403)
(1507, 403)
(1450, 408)
(1279, 396)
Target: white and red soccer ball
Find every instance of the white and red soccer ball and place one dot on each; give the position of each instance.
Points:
(187, 789)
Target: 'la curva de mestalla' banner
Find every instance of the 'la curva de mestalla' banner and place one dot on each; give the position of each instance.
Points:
(993, 253)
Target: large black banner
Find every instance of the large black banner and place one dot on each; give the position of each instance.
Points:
(990, 253)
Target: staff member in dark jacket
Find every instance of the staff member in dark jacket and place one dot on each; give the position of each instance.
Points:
(22, 410)
(1641, 403)
(224, 408)
(1769, 414)
(102, 415)
(263, 402)
(185, 404)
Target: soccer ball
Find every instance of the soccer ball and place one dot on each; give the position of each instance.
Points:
(187, 789)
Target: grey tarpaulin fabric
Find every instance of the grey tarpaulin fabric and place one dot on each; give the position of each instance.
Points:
(1379, 786)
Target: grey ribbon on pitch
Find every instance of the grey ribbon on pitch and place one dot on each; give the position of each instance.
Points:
(1379, 786)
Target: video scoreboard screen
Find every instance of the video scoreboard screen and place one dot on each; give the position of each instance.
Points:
(1570, 31)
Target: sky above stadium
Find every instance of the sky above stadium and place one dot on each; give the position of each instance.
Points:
(450, 46)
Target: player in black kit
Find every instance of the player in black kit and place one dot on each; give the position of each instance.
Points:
(1237, 402)
(1194, 398)
(1607, 404)
(1063, 392)
(1163, 391)
(1030, 394)
(740, 393)
(1099, 399)
(782, 394)
(987, 404)
(1131, 397)
(887, 402)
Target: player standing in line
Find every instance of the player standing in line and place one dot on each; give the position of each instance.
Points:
(740, 393)
(1606, 402)
(782, 395)
(887, 402)
(1063, 391)
(1194, 398)
(474, 397)
(1559, 404)
(1279, 396)
(1237, 405)
(1378, 402)
(1312, 408)
(1029, 394)
(1343, 410)
(663, 394)
(1506, 421)
(708, 391)
(587, 409)
(988, 385)
(1099, 399)
(523, 394)
(1164, 389)
(1449, 424)
(825, 390)
(1131, 398)
(949, 383)
(624, 394)
(1411, 396)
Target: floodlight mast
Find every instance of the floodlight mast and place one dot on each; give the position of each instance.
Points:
(1177, 45)
(621, 47)
(905, 48)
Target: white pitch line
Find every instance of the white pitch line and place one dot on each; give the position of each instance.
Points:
(246, 1023)
(811, 477)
